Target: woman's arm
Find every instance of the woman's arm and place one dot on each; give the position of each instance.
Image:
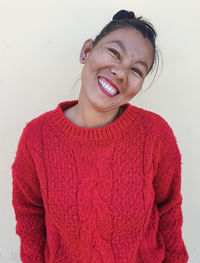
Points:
(167, 186)
(28, 205)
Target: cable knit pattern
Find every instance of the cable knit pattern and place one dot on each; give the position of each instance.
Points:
(98, 195)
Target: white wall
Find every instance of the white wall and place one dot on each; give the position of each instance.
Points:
(40, 43)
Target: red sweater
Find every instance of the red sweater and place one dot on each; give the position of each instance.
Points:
(98, 195)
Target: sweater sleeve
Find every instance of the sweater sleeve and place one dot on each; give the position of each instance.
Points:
(167, 186)
(28, 204)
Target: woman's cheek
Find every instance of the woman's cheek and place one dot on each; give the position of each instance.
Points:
(101, 59)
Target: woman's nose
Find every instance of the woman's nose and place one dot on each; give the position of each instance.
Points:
(120, 72)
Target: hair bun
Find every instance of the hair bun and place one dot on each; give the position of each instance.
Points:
(122, 14)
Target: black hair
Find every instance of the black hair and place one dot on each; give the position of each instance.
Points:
(125, 18)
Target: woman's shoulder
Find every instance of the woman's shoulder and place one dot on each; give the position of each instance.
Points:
(37, 122)
(32, 131)
(154, 122)
(158, 131)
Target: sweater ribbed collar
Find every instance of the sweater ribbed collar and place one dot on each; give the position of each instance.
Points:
(100, 135)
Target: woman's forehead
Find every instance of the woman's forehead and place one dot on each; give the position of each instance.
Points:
(129, 40)
(124, 35)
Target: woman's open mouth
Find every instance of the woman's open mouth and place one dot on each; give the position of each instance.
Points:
(107, 88)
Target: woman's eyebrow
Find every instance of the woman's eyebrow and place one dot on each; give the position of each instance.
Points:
(121, 45)
(143, 64)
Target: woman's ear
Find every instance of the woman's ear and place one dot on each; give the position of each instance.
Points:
(85, 51)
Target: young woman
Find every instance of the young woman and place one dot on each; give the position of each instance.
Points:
(97, 180)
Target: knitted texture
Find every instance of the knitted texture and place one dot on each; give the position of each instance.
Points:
(98, 195)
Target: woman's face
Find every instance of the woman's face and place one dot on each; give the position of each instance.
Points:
(114, 69)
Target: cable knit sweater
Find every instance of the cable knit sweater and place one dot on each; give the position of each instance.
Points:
(98, 195)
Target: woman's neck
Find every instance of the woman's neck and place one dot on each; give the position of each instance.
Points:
(86, 116)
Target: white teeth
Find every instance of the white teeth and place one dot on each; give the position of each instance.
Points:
(107, 87)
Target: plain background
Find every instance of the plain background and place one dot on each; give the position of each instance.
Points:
(40, 42)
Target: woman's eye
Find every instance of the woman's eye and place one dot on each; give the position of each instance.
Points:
(115, 52)
(139, 72)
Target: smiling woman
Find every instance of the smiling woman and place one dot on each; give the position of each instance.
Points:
(113, 74)
(98, 179)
